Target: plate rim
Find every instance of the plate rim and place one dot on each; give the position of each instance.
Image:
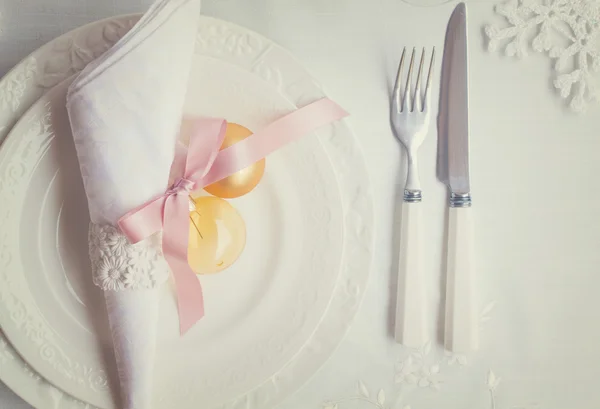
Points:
(79, 371)
(356, 292)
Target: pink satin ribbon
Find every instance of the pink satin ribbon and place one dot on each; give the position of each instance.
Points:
(200, 165)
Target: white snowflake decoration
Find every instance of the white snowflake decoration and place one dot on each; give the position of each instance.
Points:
(568, 31)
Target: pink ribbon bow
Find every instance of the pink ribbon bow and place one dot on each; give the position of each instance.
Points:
(200, 165)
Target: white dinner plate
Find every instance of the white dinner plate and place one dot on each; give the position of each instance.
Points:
(272, 318)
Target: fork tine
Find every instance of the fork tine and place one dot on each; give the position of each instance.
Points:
(428, 85)
(398, 85)
(417, 105)
(407, 102)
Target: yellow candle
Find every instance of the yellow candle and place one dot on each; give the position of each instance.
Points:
(246, 179)
(217, 235)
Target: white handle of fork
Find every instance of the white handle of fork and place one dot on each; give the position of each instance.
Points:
(410, 305)
(461, 327)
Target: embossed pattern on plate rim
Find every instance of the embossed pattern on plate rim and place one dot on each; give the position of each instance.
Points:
(342, 150)
(76, 367)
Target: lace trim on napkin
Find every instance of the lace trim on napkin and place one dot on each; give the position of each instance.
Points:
(118, 265)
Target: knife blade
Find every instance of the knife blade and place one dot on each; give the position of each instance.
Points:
(453, 154)
(461, 332)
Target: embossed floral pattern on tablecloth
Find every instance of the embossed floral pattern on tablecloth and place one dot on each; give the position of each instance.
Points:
(424, 370)
(369, 398)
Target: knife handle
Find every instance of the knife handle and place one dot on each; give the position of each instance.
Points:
(461, 332)
(410, 302)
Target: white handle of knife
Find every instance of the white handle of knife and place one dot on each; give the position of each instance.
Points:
(410, 301)
(461, 327)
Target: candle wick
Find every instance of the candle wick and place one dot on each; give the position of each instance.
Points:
(195, 225)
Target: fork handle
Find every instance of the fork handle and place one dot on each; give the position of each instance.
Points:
(410, 304)
(461, 331)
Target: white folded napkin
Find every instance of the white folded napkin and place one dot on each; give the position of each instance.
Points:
(125, 110)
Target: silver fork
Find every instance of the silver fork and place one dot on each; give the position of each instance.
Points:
(410, 118)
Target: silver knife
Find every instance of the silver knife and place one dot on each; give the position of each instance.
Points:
(461, 332)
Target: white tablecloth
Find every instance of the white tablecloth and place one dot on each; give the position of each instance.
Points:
(533, 165)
